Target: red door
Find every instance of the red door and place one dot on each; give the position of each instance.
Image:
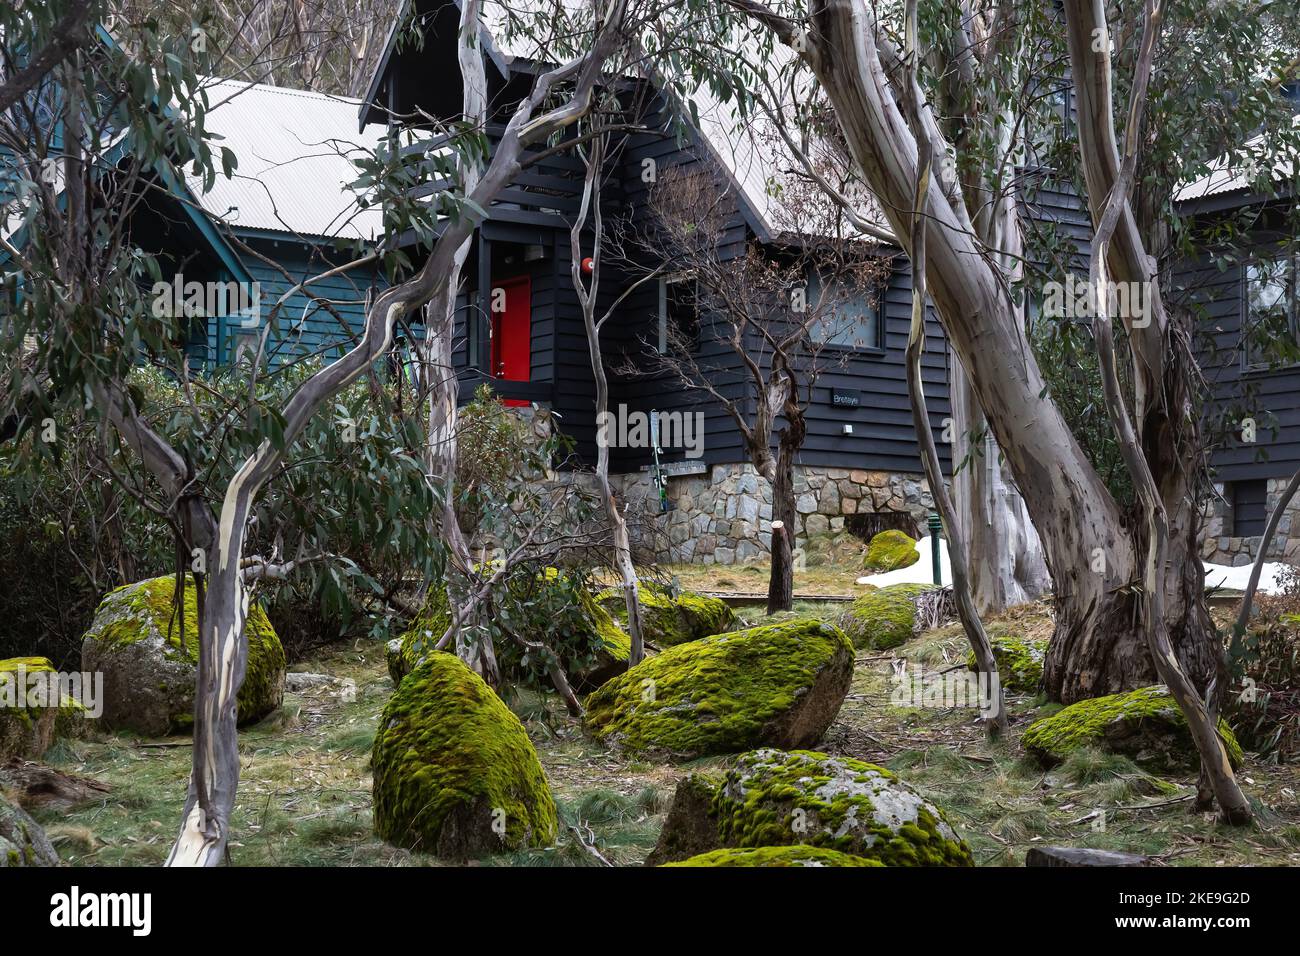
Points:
(512, 350)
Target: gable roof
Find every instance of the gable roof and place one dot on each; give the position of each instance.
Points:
(749, 150)
(495, 56)
(294, 150)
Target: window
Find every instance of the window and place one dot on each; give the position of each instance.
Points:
(846, 322)
(1249, 504)
(679, 312)
(196, 343)
(1058, 102)
(1049, 124)
(1269, 325)
(242, 344)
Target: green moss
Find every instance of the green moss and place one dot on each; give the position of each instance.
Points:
(884, 618)
(454, 771)
(777, 856)
(599, 637)
(134, 612)
(725, 693)
(891, 550)
(1020, 661)
(27, 729)
(418, 640)
(1145, 723)
(667, 620)
(31, 665)
(609, 637)
(773, 798)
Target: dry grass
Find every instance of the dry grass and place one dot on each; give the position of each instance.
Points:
(304, 797)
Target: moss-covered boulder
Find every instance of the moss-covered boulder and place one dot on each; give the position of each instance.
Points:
(669, 619)
(455, 774)
(150, 663)
(777, 856)
(689, 828)
(592, 645)
(891, 550)
(22, 841)
(771, 798)
(778, 685)
(1144, 724)
(885, 617)
(34, 711)
(1020, 661)
(405, 653)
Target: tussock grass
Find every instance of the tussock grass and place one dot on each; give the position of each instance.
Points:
(304, 796)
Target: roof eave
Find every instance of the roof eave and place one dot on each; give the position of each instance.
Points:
(381, 68)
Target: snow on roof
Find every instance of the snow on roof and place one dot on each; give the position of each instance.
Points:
(294, 151)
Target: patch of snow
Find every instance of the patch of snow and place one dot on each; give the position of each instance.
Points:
(922, 572)
(1222, 576)
(1216, 575)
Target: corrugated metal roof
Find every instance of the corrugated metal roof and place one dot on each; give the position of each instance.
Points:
(773, 181)
(1239, 171)
(295, 151)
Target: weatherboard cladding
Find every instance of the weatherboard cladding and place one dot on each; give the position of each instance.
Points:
(1270, 396)
(882, 433)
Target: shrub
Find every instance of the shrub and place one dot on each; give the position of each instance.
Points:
(491, 444)
(1265, 707)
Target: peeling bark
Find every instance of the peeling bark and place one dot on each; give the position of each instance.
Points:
(1099, 646)
(979, 640)
(1217, 775)
(473, 644)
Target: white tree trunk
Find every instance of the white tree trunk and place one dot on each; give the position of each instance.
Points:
(473, 646)
(223, 647)
(1004, 555)
(587, 295)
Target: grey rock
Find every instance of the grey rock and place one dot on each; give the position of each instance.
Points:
(22, 841)
(1077, 856)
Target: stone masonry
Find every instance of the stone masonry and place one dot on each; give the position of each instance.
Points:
(725, 515)
(1220, 546)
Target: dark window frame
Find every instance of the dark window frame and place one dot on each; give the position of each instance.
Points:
(478, 334)
(875, 300)
(664, 310)
(1292, 293)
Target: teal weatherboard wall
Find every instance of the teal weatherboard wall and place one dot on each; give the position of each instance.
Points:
(325, 318)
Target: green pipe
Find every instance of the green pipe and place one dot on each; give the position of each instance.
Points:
(936, 527)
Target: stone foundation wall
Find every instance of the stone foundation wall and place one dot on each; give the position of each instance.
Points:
(725, 515)
(1220, 546)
